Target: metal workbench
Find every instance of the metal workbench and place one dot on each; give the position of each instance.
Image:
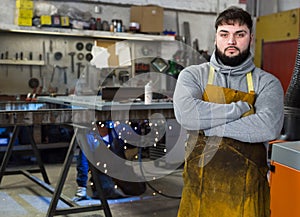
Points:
(25, 114)
(80, 112)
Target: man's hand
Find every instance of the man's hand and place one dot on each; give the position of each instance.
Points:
(250, 112)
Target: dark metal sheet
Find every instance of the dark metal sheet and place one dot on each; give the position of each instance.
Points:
(29, 113)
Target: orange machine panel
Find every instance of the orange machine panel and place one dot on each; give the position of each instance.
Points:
(285, 191)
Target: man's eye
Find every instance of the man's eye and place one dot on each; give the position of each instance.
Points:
(240, 35)
(224, 35)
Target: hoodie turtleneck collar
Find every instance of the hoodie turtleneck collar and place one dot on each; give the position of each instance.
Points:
(243, 68)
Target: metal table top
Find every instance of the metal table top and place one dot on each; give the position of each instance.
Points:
(28, 113)
(95, 102)
(96, 109)
(78, 109)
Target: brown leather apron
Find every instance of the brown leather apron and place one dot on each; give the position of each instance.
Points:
(228, 178)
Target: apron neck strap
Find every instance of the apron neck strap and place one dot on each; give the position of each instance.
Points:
(211, 75)
(250, 82)
(249, 79)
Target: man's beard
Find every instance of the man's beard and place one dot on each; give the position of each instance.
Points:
(235, 60)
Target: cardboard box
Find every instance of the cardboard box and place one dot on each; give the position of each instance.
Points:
(46, 20)
(25, 4)
(150, 18)
(113, 60)
(119, 53)
(21, 21)
(25, 13)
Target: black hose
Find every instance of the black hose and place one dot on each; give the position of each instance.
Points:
(292, 97)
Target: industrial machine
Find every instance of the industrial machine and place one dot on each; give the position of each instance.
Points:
(276, 52)
(285, 179)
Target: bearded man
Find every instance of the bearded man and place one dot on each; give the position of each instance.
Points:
(231, 110)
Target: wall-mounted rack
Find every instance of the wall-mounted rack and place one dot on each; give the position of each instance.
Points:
(22, 62)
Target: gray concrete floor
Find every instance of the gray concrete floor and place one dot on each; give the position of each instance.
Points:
(19, 196)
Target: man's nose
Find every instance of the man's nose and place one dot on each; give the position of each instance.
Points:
(231, 40)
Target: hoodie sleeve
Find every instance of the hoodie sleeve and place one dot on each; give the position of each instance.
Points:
(265, 124)
(195, 114)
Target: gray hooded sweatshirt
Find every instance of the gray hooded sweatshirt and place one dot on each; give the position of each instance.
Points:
(224, 120)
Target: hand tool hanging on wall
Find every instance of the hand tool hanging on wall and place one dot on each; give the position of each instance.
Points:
(40, 67)
(51, 46)
(79, 46)
(88, 57)
(195, 53)
(187, 34)
(89, 46)
(17, 56)
(58, 55)
(44, 53)
(33, 83)
(2, 57)
(72, 61)
(64, 70)
(6, 57)
(30, 66)
(78, 69)
(48, 58)
(21, 58)
(80, 56)
(52, 75)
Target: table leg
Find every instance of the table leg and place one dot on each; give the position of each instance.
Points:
(37, 155)
(9, 150)
(63, 176)
(103, 201)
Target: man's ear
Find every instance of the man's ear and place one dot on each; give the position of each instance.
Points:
(251, 38)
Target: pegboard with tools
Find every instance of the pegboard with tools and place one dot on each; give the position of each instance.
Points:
(49, 63)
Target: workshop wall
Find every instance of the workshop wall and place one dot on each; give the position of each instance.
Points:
(14, 79)
(199, 14)
(188, 5)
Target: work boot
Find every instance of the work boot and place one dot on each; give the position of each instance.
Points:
(80, 194)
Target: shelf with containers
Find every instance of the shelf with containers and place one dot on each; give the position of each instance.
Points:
(85, 33)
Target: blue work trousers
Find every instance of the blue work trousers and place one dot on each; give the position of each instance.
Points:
(82, 170)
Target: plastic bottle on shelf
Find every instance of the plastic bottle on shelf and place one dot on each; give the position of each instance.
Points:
(148, 93)
(98, 24)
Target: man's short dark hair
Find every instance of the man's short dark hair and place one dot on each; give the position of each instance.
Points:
(234, 15)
